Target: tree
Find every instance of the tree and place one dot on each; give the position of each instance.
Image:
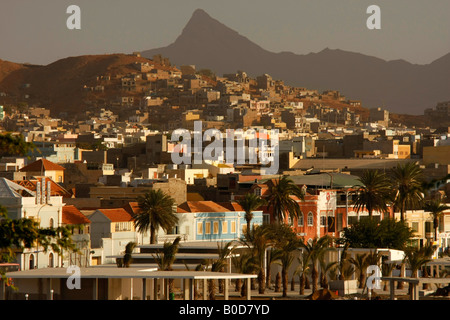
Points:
(407, 181)
(247, 265)
(257, 240)
(24, 233)
(374, 193)
(156, 211)
(302, 270)
(224, 251)
(316, 248)
(167, 256)
(250, 203)
(415, 258)
(325, 269)
(273, 255)
(360, 263)
(345, 267)
(14, 145)
(281, 201)
(436, 209)
(127, 259)
(388, 233)
(286, 242)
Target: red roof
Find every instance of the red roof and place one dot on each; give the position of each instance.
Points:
(201, 206)
(132, 208)
(42, 165)
(71, 215)
(117, 214)
(56, 189)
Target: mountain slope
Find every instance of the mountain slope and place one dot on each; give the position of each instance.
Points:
(59, 85)
(398, 85)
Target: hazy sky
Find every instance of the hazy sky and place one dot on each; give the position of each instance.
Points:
(414, 30)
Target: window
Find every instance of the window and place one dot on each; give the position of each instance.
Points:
(51, 223)
(207, 227)
(50, 260)
(224, 226)
(300, 220)
(199, 227)
(415, 226)
(216, 227)
(310, 219)
(233, 226)
(323, 221)
(258, 191)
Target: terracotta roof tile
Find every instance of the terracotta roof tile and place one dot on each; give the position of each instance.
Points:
(202, 206)
(117, 214)
(71, 215)
(41, 164)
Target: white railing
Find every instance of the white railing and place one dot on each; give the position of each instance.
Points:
(170, 237)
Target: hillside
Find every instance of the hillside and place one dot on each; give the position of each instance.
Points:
(59, 85)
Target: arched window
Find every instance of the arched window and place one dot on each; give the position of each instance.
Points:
(310, 219)
(50, 260)
(300, 220)
(51, 223)
(31, 262)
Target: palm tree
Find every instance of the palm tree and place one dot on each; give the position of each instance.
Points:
(436, 209)
(302, 270)
(325, 269)
(316, 249)
(156, 212)
(374, 193)
(258, 240)
(224, 251)
(286, 242)
(273, 255)
(128, 252)
(346, 269)
(248, 266)
(416, 258)
(408, 185)
(386, 271)
(250, 203)
(166, 258)
(360, 263)
(281, 200)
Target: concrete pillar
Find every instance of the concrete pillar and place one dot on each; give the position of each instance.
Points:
(49, 293)
(205, 289)
(95, 289)
(155, 289)
(392, 289)
(227, 286)
(249, 288)
(144, 288)
(186, 289)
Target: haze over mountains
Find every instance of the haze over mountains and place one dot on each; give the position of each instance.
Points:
(398, 85)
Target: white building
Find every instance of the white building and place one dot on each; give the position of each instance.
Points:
(40, 206)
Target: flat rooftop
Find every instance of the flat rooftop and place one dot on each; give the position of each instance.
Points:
(105, 272)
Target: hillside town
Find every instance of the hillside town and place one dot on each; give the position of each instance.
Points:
(96, 170)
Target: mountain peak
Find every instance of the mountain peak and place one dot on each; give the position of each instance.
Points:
(200, 14)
